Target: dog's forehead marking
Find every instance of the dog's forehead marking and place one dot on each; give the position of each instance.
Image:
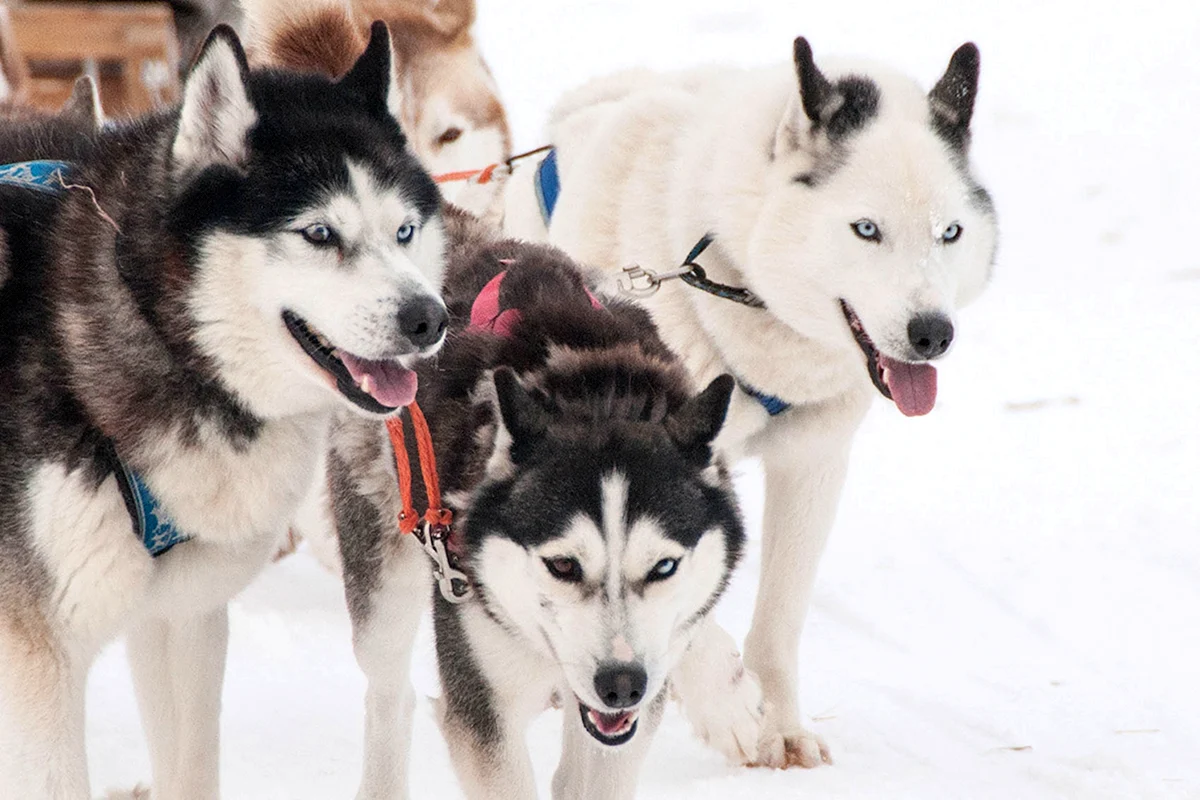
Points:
(366, 210)
(381, 207)
(614, 496)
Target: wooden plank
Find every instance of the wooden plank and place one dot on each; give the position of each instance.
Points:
(126, 37)
(12, 64)
(103, 31)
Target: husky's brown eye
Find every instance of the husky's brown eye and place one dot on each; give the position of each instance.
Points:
(565, 569)
(450, 135)
(319, 234)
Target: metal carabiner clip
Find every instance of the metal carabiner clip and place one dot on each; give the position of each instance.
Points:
(640, 282)
(454, 584)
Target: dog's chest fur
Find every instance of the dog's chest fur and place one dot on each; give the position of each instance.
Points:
(234, 503)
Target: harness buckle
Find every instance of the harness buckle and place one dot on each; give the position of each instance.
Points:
(453, 583)
(640, 282)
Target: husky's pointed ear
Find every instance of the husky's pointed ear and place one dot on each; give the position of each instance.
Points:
(217, 114)
(83, 106)
(374, 77)
(816, 92)
(695, 424)
(952, 99)
(816, 99)
(525, 419)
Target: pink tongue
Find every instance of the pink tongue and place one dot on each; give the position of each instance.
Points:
(913, 386)
(391, 384)
(609, 724)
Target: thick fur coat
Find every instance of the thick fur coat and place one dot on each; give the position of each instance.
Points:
(841, 196)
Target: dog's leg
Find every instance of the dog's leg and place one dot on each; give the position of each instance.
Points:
(42, 751)
(589, 770)
(492, 687)
(804, 477)
(148, 650)
(498, 768)
(179, 668)
(384, 629)
(387, 581)
(722, 700)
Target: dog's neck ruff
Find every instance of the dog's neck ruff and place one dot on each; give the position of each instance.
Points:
(152, 525)
(48, 177)
(694, 275)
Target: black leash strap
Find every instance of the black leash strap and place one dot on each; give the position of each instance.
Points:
(641, 282)
(697, 278)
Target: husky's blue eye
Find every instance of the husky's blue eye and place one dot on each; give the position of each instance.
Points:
(405, 233)
(663, 570)
(951, 234)
(317, 233)
(565, 569)
(865, 229)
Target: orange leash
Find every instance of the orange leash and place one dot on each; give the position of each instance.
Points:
(435, 514)
(432, 528)
(485, 174)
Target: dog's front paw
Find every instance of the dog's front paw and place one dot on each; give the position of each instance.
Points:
(723, 702)
(138, 792)
(797, 747)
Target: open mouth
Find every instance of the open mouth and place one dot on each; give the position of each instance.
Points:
(912, 387)
(609, 729)
(379, 386)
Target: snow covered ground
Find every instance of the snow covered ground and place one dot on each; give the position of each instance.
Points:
(1010, 604)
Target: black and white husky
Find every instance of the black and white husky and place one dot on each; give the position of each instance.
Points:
(593, 520)
(190, 298)
(839, 227)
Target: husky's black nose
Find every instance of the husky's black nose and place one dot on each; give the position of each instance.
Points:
(423, 321)
(930, 334)
(621, 685)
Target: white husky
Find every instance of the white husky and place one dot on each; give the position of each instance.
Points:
(843, 230)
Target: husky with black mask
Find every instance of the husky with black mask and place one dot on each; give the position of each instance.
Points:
(592, 518)
(192, 297)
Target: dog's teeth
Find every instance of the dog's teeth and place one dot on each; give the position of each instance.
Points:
(367, 384)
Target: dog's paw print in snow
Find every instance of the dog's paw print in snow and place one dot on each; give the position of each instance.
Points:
(138, 792)
(795, 748)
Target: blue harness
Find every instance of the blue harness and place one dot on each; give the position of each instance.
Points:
(151, 524)
(773, 405)
(47, 177)
(546, 185)
(157, 531)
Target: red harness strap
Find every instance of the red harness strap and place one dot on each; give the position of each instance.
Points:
(432, 528)
(485, 175)
(434, 514)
